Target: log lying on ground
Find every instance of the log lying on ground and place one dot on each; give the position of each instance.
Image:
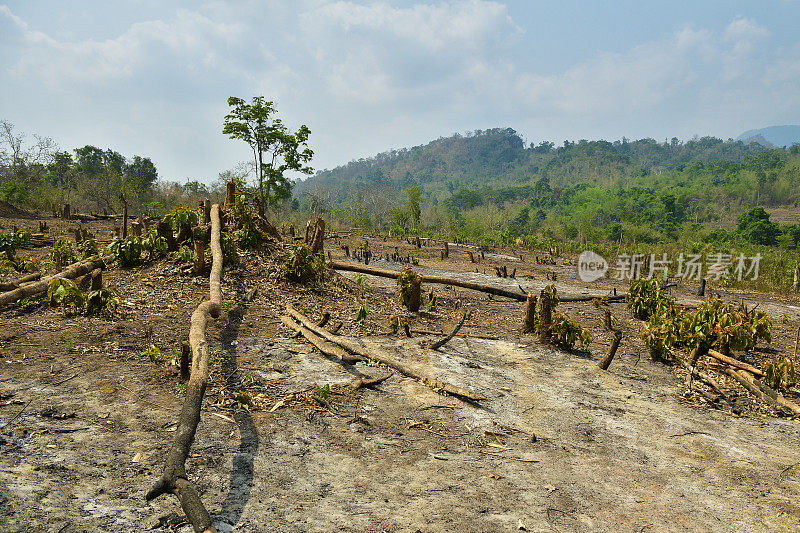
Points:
(735, 362)
(370, 350)
(32, 289)
(765, 393)
(16, 284)
(174, 477)
(442, 280)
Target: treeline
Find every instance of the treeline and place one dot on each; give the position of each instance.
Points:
(37, 175)
(499, 157)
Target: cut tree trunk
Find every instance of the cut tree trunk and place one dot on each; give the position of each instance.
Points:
(12, 285)
(32, 289)
(545, 317)
(438, 344)
(370, 350)
(529, 321)
(318, 240)
(174, 477)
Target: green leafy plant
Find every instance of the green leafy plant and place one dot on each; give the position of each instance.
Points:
(323, 391)
(779, 373)
(184, 254)
(362, 313)
(182, 216)
(87, 248)
(65, 292)
(102, 302)
(126, 252)
(154, 354)
(9, 242)
(69, 345)
(63, 253)
(155, 245)
(302, 266)
(394, 324)
(643, 297)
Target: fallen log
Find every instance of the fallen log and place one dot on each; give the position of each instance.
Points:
(32, 289)
(735, 362)
(16, 284)
(174, 478)
(765, 393)
(442, 280)
(369, 350)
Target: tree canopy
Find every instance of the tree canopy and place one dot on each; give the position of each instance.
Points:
(275, 149)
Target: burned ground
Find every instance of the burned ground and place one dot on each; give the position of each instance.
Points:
(558, 445)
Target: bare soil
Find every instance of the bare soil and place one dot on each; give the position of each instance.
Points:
(86, 418)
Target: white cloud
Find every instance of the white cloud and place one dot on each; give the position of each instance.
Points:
(189, 41)
(381, 54)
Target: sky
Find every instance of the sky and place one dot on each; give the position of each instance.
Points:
(152, 77)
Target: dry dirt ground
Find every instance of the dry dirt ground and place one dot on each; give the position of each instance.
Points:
(559, 445)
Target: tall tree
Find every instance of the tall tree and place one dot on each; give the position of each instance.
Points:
(275, 149)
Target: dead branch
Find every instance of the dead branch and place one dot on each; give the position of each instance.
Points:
(438, 344)
(174, 478)
(32, 289)
(606, 362)
(364, 381)
(370, 350)
(735, 362)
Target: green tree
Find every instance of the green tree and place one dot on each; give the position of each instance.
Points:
(275, 149)
(414, 194)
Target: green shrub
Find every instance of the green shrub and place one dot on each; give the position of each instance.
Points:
(302, 266)
(644, 297)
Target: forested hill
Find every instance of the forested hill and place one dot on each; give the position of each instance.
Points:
(499, 157)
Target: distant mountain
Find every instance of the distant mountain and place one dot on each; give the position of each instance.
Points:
(775, 135)
(499, 158)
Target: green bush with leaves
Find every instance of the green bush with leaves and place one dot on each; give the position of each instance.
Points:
(564, 333)
(126, 252)
(155, 245)
(65, 292)
(643, 297)
(302, 266)
(182, 216)
(713, 324)
(779, 373)
(102, 302)
(87, 248)
(63, 253)
(11, 241)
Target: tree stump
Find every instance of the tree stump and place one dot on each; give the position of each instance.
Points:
(206, 211)
(124, 218)
(230, 194)
(702, 290)
(65, 214)
(545, 318)
(165, 230)
(185, 351)
(446, 249)
(199, 257)
(318, 240)
(529, 320)
(471, 257)
(97, 279)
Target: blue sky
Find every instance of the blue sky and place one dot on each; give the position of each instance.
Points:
(152, 77)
